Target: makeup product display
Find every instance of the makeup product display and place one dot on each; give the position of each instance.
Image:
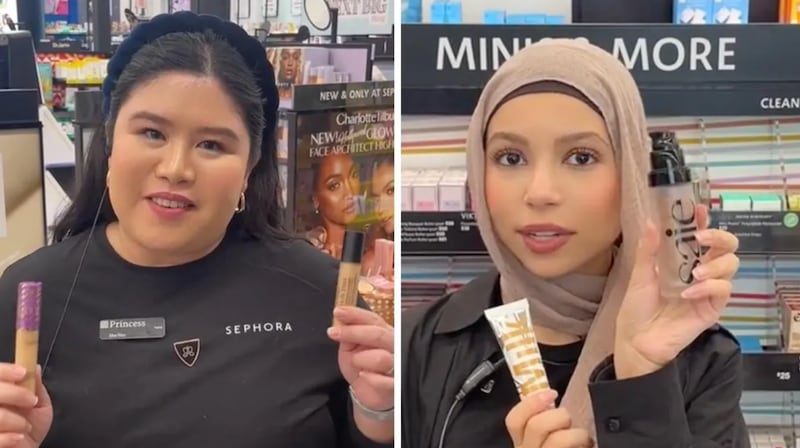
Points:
(768, 438)
(731, 11)
(349, 269)
(675, 205)
(377, 287)
(513, 328)
(340, 163)
(787, 293)
(498, 12)
(309, 65)
(29, 307)
(435, 190)
(693, 12)
(754, 202)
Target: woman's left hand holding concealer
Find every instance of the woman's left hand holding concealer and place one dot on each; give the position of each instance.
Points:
(651, 331)
(366, 355)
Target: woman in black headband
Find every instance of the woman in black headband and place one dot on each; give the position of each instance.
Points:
(176, 310)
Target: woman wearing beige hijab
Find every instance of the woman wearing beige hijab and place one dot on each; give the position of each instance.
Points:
(557, 156)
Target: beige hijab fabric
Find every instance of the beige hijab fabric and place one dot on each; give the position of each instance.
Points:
(608, 84)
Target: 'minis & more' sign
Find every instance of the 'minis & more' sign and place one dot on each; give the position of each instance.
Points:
(696, 70)
(466, 55)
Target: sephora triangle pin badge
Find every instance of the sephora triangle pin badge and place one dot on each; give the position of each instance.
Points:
(188, 351)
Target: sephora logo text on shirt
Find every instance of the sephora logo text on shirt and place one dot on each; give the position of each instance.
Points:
(257, 327)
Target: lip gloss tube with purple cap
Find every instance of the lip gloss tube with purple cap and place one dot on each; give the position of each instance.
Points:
(29, 309)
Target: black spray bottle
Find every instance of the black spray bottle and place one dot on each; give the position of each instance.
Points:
(674, 199)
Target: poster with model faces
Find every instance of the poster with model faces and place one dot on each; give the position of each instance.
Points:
(344, 177)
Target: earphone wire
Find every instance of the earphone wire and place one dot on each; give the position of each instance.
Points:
(74, 281)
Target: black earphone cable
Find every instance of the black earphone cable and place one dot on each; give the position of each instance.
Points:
(74, 281)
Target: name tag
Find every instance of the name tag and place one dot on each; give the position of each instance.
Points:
(134, 328)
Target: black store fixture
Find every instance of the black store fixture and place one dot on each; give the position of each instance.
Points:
(219, 8)
(311, 99)
(100, 18)
(652, 11)
(88, 118)
(30, 15)
(18, 61)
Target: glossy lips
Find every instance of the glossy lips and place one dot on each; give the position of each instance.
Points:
(545, 238)
(169, 205)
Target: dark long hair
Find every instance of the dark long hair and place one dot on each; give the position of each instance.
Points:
(203, 54)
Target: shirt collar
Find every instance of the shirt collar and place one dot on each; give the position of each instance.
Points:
(465, 307)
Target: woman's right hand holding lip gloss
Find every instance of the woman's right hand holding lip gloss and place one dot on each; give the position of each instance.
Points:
(535, 423)
(25, 417)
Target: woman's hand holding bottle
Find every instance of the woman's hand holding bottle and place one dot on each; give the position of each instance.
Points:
(366, 355)
(535, 423)
(25, 417)
(651, 331)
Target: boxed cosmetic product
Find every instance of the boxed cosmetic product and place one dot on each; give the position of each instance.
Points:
(790, 11)
(425, 191)
(438, 12)
(412, 11)
(494, 17)
(767, 438)
(731, 11)
(453, 12)
(693, 12)
(793, 202)
(735, 202)
(406, 189)
(535, 19)
(453, 191)
(791, 325)
(788, 295)
(516, 19)
(767, 202)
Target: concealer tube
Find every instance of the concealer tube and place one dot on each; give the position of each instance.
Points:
(675, 204)
(513, 328)
(349, 269)
(29, 306)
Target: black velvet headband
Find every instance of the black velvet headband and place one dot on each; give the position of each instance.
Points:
(249, 47)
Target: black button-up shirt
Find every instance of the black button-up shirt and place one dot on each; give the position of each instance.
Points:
(691, 402)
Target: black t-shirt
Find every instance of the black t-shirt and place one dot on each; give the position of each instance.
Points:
(559, 363)
(256, 314)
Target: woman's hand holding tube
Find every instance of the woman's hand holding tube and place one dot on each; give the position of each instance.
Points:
(25, 418)
(366, 355)
(534, 423)
(651, 331)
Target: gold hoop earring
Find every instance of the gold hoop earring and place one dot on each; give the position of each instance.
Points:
(242, 204)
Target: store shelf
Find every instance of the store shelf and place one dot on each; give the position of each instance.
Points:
(712, 70)
(456, 233)
(440, 234)
(777, 372)
(761, 233)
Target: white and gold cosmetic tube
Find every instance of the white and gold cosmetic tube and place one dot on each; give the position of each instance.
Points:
(513, 327)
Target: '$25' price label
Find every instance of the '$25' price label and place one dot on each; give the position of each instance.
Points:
(783, 375)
